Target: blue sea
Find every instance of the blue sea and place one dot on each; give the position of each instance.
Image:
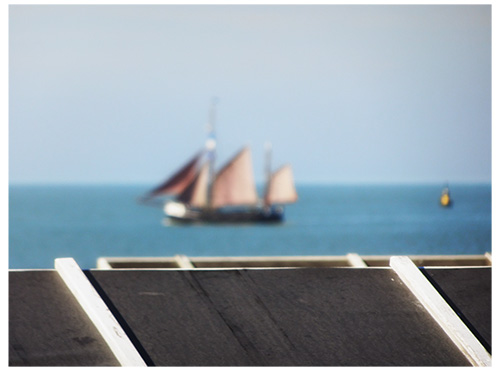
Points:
(88, 222)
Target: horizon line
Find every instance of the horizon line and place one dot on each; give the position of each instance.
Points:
(297, 183)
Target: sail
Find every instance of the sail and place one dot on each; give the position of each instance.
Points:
(195, 193)
(281, 188)
(234, 183)
(179, 181)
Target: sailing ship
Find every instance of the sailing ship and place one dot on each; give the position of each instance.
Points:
(199, 194)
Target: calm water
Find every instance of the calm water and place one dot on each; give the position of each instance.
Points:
(47, 222)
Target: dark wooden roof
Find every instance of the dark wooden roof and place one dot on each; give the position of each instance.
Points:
(47, 327)
(248, 317)
(468, 291)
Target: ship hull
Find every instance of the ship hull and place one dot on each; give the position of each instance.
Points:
(180, 213)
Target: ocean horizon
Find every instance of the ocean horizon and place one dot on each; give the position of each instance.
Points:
(88, 221)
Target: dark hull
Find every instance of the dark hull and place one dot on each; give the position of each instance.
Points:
(260, 215)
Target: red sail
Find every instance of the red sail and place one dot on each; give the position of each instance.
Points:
(234, 183)
(179, 181)
(281, 188)
(195, 193)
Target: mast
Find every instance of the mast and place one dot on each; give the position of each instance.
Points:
(267, 168)
(210, 147)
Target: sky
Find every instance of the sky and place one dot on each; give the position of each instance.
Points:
(345, 93)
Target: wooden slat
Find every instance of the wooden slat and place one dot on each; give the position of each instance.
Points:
(102, 263)
(356, 261)
(289, 261)
(183, 262)
(440, 311)
(488, 258)
(98, 312)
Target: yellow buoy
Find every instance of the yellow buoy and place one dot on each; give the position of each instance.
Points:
(445, 199)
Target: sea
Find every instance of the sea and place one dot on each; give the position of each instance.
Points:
(86, 222)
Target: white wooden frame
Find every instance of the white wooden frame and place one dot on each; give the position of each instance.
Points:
(444, 315)
(98, 312)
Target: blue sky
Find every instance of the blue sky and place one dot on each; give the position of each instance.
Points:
(357, 94)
